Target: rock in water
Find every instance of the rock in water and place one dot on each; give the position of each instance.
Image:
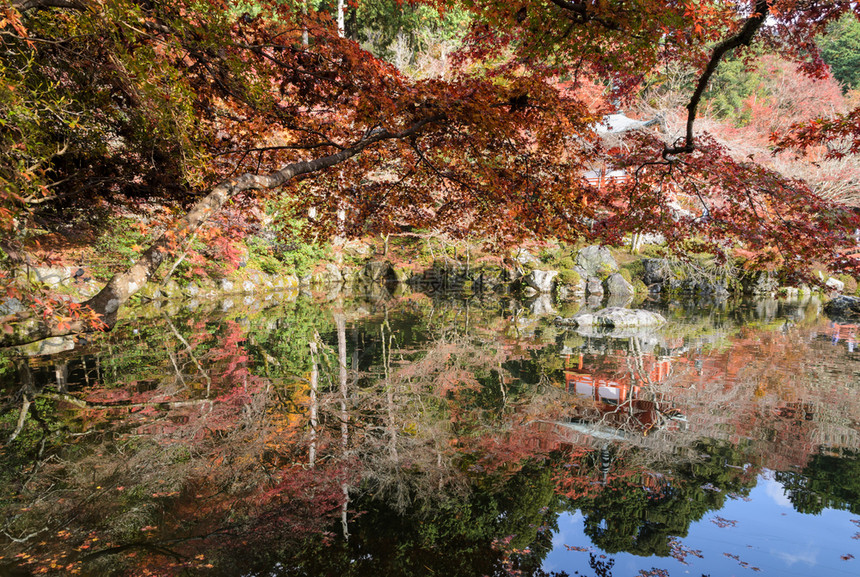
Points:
(378, 271)
(614, 317)
(541, 280)
(594, 287)
(843, 308)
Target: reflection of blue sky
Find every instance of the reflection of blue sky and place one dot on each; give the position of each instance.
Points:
(769, 534)
(775, 491)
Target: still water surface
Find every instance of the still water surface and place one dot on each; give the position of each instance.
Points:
(422, 436)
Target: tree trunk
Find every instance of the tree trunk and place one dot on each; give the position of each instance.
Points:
(312, 449)
(340, 323)
(341, 22)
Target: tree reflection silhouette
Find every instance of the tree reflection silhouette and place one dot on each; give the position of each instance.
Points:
(827, 481)
(627, 516)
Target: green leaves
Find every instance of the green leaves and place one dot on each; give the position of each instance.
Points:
(840, 48)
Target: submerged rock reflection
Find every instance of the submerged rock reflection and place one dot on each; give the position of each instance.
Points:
(409, 437)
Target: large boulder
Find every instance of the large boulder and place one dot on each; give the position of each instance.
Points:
(333, 273)
(170, 289)
(570, 282)
(597, 261)
(619, 301)
(594, 287)
(11, 306)
(618, 286)
(379, 271)
(843, 308)
(614, 317)
(834, 285)
(50, 346)
(524, 257)
(53, 276)
(656, 271)
(357, 249)
(541, 280)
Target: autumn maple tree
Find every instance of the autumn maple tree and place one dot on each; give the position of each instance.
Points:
(201, 104)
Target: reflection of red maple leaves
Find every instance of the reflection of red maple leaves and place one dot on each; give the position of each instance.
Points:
(846, 557)
(680, 552)
(723, 523)
(654, 572)
(742, 563)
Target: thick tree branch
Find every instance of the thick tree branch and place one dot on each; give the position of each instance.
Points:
(743, 38)
(125, 284)
(582, 15)
(28, 5)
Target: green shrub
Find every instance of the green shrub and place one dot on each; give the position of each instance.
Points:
(636, 269)
(548, 255)
(640, 287)
(625, 274)
(850, 283)
(260, 256)
(566, 262)
(298, 252)
(569, 277)
(652, 251)
(604, 271)
(268, 264)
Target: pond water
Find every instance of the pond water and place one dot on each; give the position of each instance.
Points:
(421, 435)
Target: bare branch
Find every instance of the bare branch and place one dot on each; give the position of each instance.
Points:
(743, 38)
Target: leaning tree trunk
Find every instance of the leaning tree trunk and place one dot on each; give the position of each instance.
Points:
(124, 285)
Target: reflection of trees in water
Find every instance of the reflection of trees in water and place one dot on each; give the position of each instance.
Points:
(195, 438)
(472, 533)
(827, 481)
(638, 513)
(221, 463)
(784, 386)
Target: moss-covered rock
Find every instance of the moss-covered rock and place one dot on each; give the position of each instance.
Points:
(605, 270)
(402, 274)
(596, 261)
(617, 285)
(149, 292)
